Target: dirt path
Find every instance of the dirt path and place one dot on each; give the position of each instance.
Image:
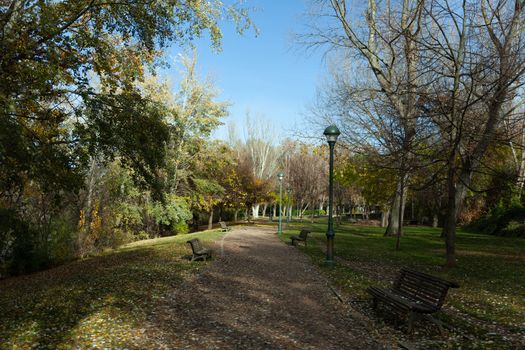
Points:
(258, 294)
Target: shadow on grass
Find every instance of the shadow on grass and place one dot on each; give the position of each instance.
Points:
(66, 304)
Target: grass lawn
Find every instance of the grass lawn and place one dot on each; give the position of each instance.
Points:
(100, 302)
(491, 271)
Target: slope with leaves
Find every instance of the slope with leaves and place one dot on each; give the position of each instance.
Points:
(99, 302)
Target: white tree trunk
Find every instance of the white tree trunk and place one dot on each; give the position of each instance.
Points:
(255, 211)
(384, 218)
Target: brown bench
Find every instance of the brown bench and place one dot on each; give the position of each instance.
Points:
(224, 228)
(303, 236)
(199, 252)
(415, 294)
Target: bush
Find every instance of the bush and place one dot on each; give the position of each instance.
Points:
(181, 228)
(142, 235)
(316, 212)
(502, 221)
(62, 245)
(114, 238)
(20, 248)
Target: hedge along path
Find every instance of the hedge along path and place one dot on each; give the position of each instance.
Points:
(259, 293)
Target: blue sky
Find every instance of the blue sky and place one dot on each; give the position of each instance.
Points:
(269, 75)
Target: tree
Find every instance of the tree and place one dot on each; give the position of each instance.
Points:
(51, 51)
(256, 190)
(73, 102)
(307, 175)
(476, 64)
(387, 44)
(192, 113)
(260, 153)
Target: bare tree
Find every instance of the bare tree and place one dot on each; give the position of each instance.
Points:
(308, 173)
(474, 57)
(387, 43)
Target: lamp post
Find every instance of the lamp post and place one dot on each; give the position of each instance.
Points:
(331, 133)
(288, 210)
(280, 176)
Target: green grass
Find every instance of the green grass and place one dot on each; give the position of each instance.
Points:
(97, 302)
(491, 270)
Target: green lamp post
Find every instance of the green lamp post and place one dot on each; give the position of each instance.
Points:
(331, 133)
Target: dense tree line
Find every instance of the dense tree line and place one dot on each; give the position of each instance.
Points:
(92, 149)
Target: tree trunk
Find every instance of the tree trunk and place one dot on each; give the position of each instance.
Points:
(195, 221)
(210, 220)
(449, 226)
(265, 206)
(384, 218)
(303, 210)
(435, 220)
(255, 211)
(521, 166)
(235, 215)
(455, 196)
(393, 219)
(401, 204)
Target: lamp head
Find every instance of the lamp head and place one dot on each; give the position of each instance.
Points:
(331, 133)
(280, 176)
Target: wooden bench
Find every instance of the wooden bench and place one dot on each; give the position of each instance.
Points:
(199, 252)
(303, 236)
(224, 228)
(415, 294)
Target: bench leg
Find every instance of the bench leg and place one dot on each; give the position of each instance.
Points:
(437, 322)
(412, 316)
(410, 322)
(374, 303)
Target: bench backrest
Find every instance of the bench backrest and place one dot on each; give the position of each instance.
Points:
(223, 224)
(195, 245)
(304, 234)
(427, 289)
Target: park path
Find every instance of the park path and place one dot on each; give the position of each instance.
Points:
(258, 293)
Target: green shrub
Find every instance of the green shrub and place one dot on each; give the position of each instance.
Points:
(62, 242)
(21, 251)
(316, 212)
(181, 227)
(142, 235)
(502, 221)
